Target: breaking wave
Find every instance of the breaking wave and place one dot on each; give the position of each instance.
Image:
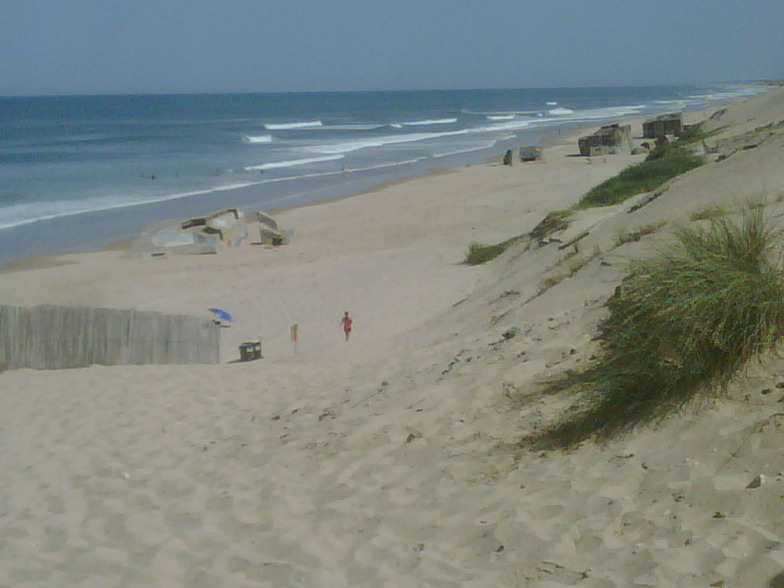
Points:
(293, 126)
(291, 163)
(381, 141)
(427, 122)
(257, 138)
(25, 214)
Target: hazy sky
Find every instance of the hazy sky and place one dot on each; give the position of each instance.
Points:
(159, 46)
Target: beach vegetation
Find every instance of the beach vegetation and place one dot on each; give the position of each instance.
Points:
(709, 213)
(691, 134)
(549, 282)
(479, 253)
(759, 203)
(579, 263)
(569, 271)
(625, 236)
(556, 220)
(682, 324)
(697, 133)
(661, 165)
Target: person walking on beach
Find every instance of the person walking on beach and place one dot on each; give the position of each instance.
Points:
(346, 322)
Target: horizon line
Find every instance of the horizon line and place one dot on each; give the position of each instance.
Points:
(399, 90)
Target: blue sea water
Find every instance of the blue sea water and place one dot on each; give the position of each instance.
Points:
(77, 172)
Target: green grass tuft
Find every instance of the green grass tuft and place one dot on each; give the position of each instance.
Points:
(637, 234)
(657, 168)
(711, 212)
(557, 220)
(693, 134)
(682, 323)
(479, 253)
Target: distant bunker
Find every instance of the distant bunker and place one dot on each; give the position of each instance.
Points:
(609, 139)
(211, 233)
(531, 153)
(666, 124)
(526, 154)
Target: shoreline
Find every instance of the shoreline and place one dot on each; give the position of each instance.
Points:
(60, 233)
(546, 140)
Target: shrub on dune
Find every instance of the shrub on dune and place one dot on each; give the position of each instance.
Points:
(683, 322)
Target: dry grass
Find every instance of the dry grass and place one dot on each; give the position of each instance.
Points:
(571, 269)
(637, 234)
(711, 212)
(479, 253)
(683, 323)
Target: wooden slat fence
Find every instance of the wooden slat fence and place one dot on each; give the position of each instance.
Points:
(52, 337)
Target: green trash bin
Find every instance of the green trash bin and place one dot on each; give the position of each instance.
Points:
(250, 350)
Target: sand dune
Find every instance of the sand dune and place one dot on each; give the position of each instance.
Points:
(393, 459)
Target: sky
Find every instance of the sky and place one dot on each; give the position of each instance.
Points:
(57, 47)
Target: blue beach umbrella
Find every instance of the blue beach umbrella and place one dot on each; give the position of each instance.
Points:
(221, 314)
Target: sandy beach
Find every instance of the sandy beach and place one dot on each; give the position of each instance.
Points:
(393, 459)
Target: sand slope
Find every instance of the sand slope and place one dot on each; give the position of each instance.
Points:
(391, 460)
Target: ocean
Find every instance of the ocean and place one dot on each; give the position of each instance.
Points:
(78, 172)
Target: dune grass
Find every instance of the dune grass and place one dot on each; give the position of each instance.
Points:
(659, 167)
(710, 212)
(479, 253)
(638, 233)
(556, 220)
(661, 164)
(683, 323)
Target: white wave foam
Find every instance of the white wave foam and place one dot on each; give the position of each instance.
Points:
(473, 148)
(499, 112)
(295, 125)
(499, 122)
(387, 165)
(257, 138)
(27, 214)
(610, 112)
(354, 127)
(427, 122)
(564, 115)
(513, 125)
(87, 137)
(383, 140)
(291, 163)
(551, 103)
(728, 93)
(591, 114)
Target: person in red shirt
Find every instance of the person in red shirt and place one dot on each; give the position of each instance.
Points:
(346, 322)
